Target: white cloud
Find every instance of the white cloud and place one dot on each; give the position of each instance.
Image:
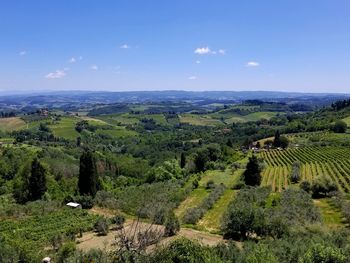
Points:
(252, 64)
(125, 46)
(207, 51)
(72, 60)
(22, 53)
(203, 51)
(94, 67)
(192, 77)
(58, 74)
(198, 62)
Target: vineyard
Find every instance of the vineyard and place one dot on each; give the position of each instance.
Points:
(37, 231)
(333, 162)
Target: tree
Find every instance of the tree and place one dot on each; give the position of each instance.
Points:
(277, 140)
(78, 141)
(252, 174)
(340, 127)
(37, 181)
(183, 160)
(201, 160)
(88, 177)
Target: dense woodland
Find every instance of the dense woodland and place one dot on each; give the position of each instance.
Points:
(272, 179)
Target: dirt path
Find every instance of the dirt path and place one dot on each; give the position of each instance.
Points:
(91, 240)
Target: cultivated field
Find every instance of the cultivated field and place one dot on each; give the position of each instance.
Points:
(333, 162)
(200, 120)
(211, 220)
(11, 124)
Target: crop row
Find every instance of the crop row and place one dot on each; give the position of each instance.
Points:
(305, 155)
(278, 177)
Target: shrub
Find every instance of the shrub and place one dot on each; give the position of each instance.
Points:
(101, 226)
(66, 251)
(210, 184)
(195, 183)
(323, 186)
(295, 175)
(306, 186)
(118, 220)
(86, 201)
(340, 127)
(172, 225)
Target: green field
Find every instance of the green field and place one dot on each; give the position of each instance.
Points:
(219, 177)
(65, 128)
(11, 124)
(200, 120)
(117, 119)
(117, 132)
(255, 116)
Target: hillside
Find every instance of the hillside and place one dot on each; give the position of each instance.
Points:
(163, 165)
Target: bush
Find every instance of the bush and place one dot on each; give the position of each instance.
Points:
(306, 186)
(210, 184)
(118, 220)
(172, 225)
(340, 127)
(195, 183)
(101, 226)
(323, 186)
(86, 201)
(66, 251)
(295, 175)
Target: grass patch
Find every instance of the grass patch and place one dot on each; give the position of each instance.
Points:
(331, 216)
(193, 200)
(219, 177)
(211, 221)
(347, 121)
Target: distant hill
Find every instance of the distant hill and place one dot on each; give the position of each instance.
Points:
(79, 98)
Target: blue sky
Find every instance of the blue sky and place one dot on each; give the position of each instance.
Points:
(285, 45)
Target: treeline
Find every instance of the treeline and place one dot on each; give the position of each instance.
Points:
(7, 114)
(341, 104)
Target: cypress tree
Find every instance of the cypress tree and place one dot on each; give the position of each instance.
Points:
(88, 178)
(37, 181)
(277, 140)
(183, 160)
